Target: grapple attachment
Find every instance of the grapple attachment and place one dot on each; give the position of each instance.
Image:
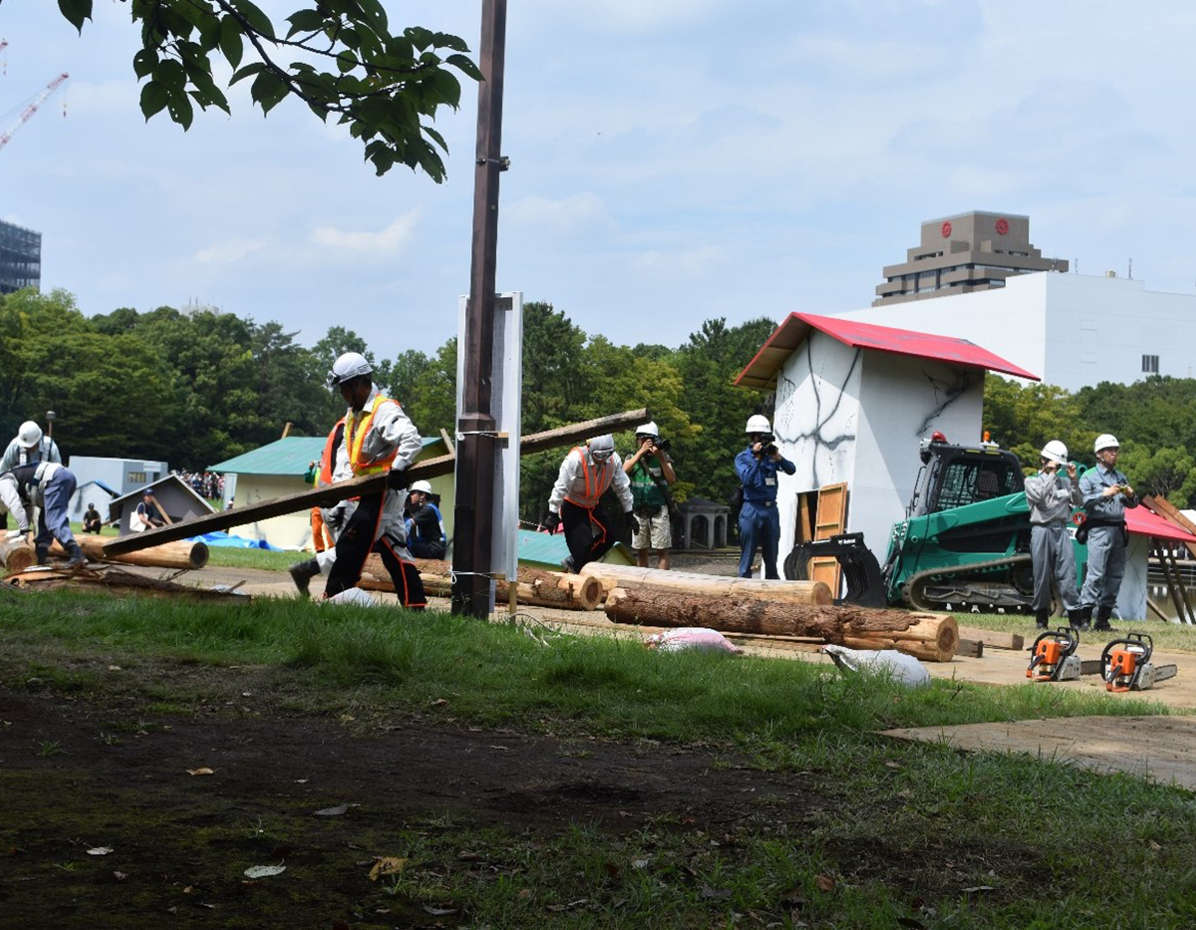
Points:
(861, 571)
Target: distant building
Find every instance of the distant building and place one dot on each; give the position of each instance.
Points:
(1073, 330)
(968, 252)
(20, 258)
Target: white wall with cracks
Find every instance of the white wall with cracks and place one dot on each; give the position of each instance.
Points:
(857, 415)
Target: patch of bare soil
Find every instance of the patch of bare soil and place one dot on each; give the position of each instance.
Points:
(185, 802)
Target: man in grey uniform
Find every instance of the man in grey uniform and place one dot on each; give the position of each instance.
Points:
(1106, 494)
(1052, 497)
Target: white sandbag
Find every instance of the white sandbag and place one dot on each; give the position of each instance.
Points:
(691, 637)
(353, 596)
(901, 668)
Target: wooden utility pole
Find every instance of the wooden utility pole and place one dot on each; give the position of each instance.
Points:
(477, 442)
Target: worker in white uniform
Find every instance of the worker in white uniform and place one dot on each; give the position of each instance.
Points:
(379, 438)
(43, 489)
(585, 474)
(29, 445)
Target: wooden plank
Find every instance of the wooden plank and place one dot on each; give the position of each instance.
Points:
(1165, 509)
(970, 648)
(830, 520)
(993, 639)
(804, 523)
(1157, 611)
(370, 484)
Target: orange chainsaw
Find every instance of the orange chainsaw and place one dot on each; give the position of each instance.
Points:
(1053, 656)
(1125, 664)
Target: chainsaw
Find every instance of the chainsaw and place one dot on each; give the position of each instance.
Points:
(1053, 656)
(1125, 664)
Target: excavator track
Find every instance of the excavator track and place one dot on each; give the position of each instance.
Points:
(961, 589)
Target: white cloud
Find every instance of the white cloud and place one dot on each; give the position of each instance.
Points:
(229, 251)
(684, 263)
(388, 241)
(570, 214)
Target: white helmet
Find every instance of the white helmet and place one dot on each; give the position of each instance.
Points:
(648, 429)
(1055, 451)
(602, 447)
(29, 435)
(758, 424)
(349, 366)
(421, 486)
(1105, 441)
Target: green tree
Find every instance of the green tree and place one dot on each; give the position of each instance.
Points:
(1024, 418)
(1166, 472)
(345, 63)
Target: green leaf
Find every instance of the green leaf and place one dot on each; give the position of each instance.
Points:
(180, 109)
(374, 11)
(248, 71)
(153, 98)
(445, 88)
(76, 11)
(305, 21)
(447, 40)
(268, 90)
(465, 66)
(346, 61)
(258, 21)
(230, 40)
(436, 137)
(144, 62)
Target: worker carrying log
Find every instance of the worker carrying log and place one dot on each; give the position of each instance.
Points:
(585, 474)
(42, 491)
(379, 437)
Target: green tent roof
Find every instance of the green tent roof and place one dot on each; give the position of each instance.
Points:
(548, 550)
(289, 456)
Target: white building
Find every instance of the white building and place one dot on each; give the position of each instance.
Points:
(1073, 330)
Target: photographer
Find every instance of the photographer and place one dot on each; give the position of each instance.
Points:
(1051, 497)
(651, 472)
(759, 522)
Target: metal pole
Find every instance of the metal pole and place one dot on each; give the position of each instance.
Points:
(475, 424)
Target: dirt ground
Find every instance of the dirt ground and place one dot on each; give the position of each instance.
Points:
(115, 772)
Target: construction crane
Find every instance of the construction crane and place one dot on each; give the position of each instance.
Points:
(32, 107)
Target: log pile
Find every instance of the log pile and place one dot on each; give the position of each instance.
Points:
(534, 587)
(932, 637)
(631, 577)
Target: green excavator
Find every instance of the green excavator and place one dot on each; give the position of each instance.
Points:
(964, 543)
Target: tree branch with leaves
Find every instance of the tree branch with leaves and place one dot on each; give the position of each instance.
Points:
(385, 86)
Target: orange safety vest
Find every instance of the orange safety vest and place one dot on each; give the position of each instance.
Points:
(595, 483)
(325, 476)
(355, 433)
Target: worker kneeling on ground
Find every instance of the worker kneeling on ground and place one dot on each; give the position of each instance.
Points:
(425, 526)
(45, 487)
(379, 437)
(1052, 496)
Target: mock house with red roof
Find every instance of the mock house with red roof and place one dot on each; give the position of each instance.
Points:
(853, 402)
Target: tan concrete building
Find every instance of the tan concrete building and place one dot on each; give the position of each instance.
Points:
(967, 252)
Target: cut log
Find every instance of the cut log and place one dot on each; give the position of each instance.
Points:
(632, 577)
(170, 555)
(993, 639)
(16, 555)
(567, 592)
(369, 484)
(112, 580)
(933, 637)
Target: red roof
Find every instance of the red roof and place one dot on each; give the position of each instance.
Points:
(1148, 523)
(762, 370)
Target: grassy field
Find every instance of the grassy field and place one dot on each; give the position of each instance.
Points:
(894, 834)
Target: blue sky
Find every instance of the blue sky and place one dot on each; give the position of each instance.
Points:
(672, 161)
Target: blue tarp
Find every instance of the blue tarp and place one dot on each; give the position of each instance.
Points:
(233, 542)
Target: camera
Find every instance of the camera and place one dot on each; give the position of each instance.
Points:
(662, 445)
(769, 441)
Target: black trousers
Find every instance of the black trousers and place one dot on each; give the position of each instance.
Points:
(356, 542)
(587, 533)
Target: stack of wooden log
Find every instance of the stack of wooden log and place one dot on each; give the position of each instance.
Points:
(795, 609)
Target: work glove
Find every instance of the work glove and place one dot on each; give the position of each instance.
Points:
(552, 521)
(632, 523)
(396, 478)
(14, 535)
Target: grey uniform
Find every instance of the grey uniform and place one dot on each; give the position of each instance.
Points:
(1051, 498)
(1106, 537)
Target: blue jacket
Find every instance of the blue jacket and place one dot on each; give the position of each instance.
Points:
(759, 476)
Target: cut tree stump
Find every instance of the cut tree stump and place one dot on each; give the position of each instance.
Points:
(169, 555)
(633, 577)
(933, 637)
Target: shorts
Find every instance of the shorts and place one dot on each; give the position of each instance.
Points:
(656, 530)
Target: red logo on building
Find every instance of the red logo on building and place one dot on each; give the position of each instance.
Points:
(1002, 226)
(946, 229)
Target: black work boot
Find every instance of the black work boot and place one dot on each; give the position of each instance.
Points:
(1075, 618)
(76, 558)
(1102, 619)
(1085, 619)
(302, 573)
(43, 554)
(1042, 619)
